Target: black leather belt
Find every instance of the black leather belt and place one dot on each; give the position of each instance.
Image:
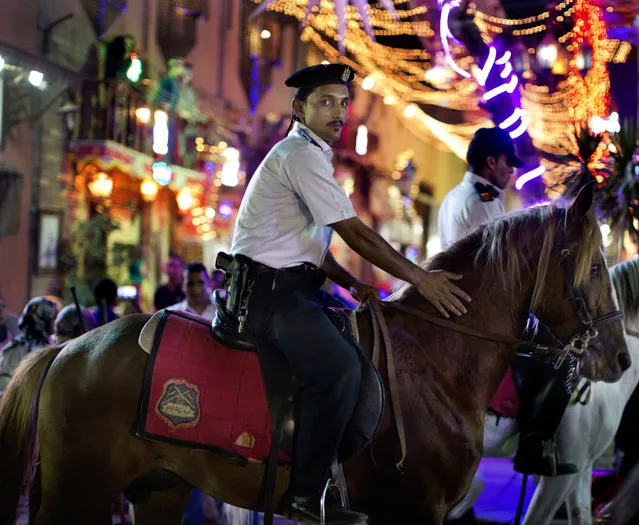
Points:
(305, 275)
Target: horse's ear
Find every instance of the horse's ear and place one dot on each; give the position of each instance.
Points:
(582, 203)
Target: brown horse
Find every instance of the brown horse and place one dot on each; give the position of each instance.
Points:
(89, 390)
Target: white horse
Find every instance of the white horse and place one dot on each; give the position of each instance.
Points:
(585, 432)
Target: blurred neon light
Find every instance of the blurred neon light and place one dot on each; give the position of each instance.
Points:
(508, 69)
(527, 177)
(482, 76)
(504, 59)
(446, 35)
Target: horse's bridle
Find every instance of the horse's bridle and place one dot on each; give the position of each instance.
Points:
(587, 330)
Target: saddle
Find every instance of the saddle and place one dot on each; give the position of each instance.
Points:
(280, 387)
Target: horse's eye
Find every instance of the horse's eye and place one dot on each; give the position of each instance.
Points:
(595, 271)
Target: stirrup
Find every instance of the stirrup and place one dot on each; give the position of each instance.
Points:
(323, 503)
(336, 482)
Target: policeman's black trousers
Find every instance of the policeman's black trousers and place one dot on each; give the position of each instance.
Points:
(291, 320)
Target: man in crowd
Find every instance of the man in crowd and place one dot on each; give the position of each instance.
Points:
(106, 297)
(170, 293)
(196, 287)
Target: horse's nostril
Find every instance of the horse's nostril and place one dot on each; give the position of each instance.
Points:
(624, 360)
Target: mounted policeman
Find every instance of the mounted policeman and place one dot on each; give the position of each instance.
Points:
(281, 259)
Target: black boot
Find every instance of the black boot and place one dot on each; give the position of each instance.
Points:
(544, 395)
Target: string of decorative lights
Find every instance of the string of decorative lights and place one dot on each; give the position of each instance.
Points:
(590, 94)
(401, 76)
(472, 9)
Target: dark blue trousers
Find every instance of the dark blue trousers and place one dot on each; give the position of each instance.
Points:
(289, 316)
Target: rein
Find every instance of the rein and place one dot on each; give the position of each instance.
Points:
(379, 326)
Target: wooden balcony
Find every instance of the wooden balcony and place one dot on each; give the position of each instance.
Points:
(123, 113)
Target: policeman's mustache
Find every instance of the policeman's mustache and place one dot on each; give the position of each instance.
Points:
(336, 122)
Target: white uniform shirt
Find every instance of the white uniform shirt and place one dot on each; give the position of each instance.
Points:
(463, 210)
(183, 306)
(289, 203)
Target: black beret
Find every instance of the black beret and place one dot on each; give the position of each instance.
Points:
(492, 142)
(320, 75)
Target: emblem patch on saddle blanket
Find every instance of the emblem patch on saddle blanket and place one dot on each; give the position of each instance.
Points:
(179, 406)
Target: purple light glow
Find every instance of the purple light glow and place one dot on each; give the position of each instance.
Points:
(504, 59)
(508, 69)
(225, 209)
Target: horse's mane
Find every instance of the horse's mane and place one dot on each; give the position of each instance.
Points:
(625, 279)
(505, 248)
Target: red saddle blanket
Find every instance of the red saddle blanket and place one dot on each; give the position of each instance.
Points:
(200, 393)
(506, 400)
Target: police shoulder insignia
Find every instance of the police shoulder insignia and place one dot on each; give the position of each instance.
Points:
(179, 404)
(486, 192)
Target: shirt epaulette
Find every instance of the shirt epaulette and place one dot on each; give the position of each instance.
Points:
(486, 192)
(310, 139)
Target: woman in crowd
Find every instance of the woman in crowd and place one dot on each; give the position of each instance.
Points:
(35, 327)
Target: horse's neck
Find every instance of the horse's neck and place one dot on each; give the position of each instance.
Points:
(469, 369)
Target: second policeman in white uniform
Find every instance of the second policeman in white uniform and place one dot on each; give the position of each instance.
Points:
(479, 197)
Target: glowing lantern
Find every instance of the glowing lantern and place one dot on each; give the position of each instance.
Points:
(184, 199)
(231, 167)
(547, 52)
(101, 186)
(143, 114)
(149, 190)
